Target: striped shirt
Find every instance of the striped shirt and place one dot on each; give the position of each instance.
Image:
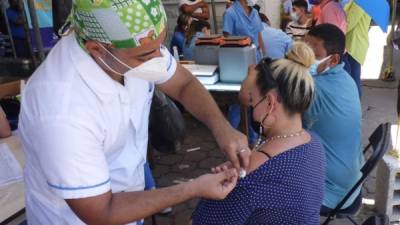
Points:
(297, 31)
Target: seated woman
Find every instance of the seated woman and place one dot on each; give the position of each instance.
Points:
(285, 181)
(5, 129)
(197, 29)
(178, 38)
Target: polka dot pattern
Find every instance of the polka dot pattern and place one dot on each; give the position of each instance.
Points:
(287, 189)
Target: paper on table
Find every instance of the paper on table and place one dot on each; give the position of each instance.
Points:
(10, 170)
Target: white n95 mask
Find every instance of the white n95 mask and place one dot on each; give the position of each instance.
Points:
(152, 70)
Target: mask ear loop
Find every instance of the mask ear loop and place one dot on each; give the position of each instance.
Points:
(108, 67)
(116, 58)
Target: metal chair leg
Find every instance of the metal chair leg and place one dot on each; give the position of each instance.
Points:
(153, 220)
(352, 220)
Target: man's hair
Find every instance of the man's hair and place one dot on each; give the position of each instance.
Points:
(301, 4)
(332, 37)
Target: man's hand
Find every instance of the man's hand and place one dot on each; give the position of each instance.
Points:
(235, 146)
(215, 186)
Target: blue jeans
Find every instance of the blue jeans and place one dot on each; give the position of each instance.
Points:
(234, 120)
(353, 68)
(149, 182)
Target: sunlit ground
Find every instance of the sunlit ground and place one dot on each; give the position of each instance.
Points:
(373, 63)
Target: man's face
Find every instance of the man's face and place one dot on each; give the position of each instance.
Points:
(320, 52)
(299, 11)
(133, 57)
(317, 45)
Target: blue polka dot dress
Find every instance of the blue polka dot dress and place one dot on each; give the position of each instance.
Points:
(286, 189)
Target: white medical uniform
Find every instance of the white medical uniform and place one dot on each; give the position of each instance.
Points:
(82, 132)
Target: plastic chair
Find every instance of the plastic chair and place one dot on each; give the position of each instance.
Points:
(379, 141)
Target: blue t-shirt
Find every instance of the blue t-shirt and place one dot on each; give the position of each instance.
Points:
(17, 31)
(335, 116)
(286, 189)
(237, 23)
(177, 40)
(276, 42)
(188, 48)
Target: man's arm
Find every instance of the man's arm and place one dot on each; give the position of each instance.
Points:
(189, 9)
(185, 88)
(204, 15)
(5, 129)
(261, 44)
(126, 207)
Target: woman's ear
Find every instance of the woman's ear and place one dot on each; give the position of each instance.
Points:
(272, 99)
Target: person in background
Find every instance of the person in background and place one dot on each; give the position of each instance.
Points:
(315, 13)
(276, 42)
(357, 41)
(228, 4)
(301, 23)
(241, 19)
(331, 12)
(5, 129)
(285, 183)
(335, 115)
(178, 38)
(286, 8)
(15, 17)
(198, 9)
(197, 29)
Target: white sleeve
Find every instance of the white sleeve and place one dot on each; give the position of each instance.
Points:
(71, 156)
(171, 65)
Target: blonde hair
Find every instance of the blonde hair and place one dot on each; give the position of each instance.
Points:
(291, 77)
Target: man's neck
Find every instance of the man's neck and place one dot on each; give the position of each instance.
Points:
(303, 20)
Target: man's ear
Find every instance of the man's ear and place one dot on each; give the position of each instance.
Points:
(335, 60)
(94, 48)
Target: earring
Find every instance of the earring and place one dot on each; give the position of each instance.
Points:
(260, 132)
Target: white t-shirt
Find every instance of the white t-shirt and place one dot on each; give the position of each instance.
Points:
(83, 133)
(188, 2)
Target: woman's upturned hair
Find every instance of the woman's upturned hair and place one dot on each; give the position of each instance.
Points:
(195, 26)
(290, 77)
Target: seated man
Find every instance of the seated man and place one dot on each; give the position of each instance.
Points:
(335, 114)
(301, 22)
(5, 129)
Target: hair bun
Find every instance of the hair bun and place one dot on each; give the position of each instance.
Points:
(302, 54)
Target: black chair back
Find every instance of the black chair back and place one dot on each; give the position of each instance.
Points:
(379, 141)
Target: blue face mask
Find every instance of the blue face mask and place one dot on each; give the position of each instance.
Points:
(314, 67)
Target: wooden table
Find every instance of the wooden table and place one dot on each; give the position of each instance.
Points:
(12, 198)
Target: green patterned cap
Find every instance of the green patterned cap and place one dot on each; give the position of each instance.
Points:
(121, 23)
